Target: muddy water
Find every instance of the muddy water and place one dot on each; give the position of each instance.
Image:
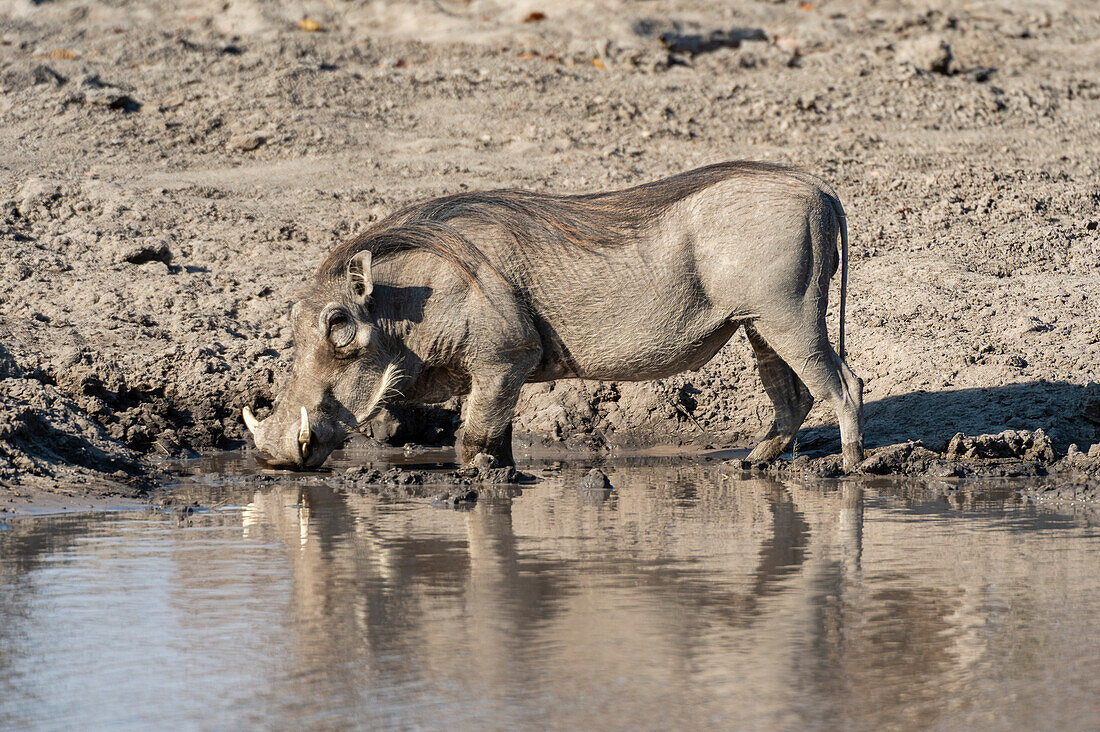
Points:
(684, 598)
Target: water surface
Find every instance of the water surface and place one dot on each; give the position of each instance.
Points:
(686, 598)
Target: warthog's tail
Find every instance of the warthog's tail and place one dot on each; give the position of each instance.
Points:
(838, 211)
(843, 271)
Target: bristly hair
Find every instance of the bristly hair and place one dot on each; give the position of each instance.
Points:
(533, 219)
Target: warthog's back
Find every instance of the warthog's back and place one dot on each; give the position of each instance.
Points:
(631, 296)
(632, 284)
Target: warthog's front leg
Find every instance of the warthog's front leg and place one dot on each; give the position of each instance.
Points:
(489, 411)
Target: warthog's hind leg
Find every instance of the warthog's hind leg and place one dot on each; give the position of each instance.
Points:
(806, 349)
(791, 398)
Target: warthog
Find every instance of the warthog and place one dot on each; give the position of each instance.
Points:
(478, 293)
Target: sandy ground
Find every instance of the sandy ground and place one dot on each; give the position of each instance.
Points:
(170, 178)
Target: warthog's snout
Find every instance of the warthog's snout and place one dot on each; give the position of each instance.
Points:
(290, 444)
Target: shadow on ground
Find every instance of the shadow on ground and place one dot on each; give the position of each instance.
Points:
(1068, 413)
(680, 37)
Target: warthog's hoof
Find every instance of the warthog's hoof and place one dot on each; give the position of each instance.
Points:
(853, 456)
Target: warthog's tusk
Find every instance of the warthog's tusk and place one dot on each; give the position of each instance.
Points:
(303, 431)
(250, 420)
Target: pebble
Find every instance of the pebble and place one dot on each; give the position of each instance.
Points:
(595, 485)
(143, 252)
(461, 499)
(245, 143)
(928, 53)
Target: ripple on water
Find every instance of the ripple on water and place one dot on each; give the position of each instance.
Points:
(681, 597)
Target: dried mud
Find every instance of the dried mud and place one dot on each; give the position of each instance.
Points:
(169, 179)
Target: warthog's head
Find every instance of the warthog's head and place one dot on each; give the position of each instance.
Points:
(342, 375)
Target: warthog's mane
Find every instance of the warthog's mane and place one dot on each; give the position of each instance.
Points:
(533, 219)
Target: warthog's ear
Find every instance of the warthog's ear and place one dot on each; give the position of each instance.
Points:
(360, 285)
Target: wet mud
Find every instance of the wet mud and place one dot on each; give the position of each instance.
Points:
(170, 177)
(1009, 454)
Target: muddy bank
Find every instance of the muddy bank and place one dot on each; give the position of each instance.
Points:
(169, 179)
(1009, 454)
(1021, 471)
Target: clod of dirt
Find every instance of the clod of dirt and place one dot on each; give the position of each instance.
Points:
(245, 143)
(1021, 445)
(910, 458)
(830, 466)
(452, 488)
(44, 75)
(395, 484)
(1077, 462)
(100, 93)
(1012, 453)
(393, 476)
(928, 53)
(595, 486)
(36, 193)
(463, 498)
(483, 469)
(142, 252)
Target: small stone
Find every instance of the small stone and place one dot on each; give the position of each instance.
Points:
(44, 75)
(463, 498)
(143, 252)
(245, 143)
(110, 97)
(929, 53)
(595, 486)
(36, 193)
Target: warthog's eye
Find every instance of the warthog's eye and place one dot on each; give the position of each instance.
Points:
(338, 326)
